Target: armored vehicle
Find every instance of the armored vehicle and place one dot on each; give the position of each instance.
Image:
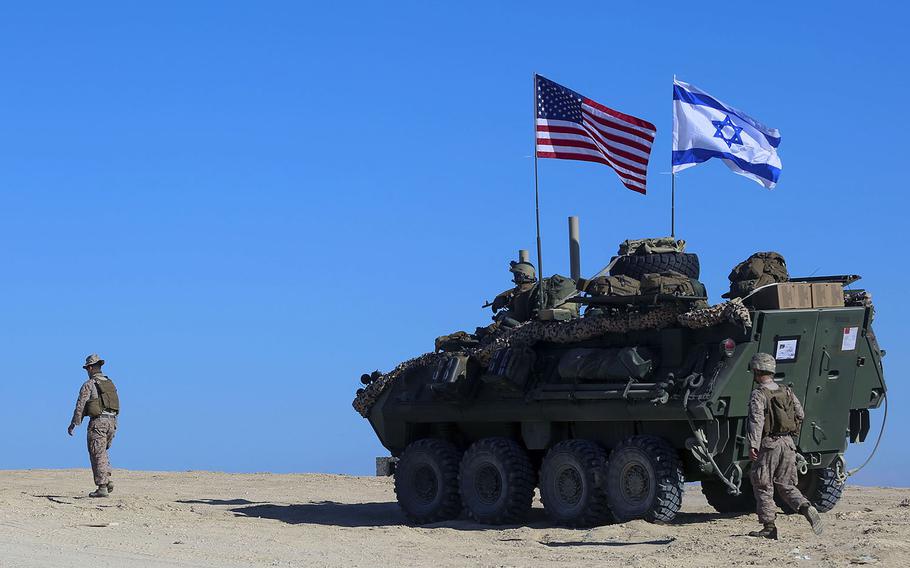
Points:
(612, 408)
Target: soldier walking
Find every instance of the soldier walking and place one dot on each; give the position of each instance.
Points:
(99, 401)
(775, 415)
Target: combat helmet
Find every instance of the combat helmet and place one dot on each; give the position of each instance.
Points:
(523, 272)
(763, 363)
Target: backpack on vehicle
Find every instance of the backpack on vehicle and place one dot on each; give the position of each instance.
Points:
(780, 412)
(620, 285)
(557, 289)
(758, 270)
(671, 283)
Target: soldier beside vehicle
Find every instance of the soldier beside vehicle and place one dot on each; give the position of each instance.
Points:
(775, 415)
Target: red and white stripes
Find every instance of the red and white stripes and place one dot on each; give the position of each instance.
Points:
(605, 136)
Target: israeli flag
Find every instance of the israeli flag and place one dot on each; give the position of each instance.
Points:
(705, 128)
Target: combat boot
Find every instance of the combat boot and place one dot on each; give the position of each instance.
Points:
(110, 486)
(768, 531)
(811, 514)
(100, 492)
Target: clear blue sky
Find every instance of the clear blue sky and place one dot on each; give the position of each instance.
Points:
(244, 206)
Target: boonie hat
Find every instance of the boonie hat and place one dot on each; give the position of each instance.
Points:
(93, 359)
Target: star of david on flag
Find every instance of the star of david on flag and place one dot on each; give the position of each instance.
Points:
(705, 128)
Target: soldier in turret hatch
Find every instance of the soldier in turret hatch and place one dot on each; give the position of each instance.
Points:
(775, 415)
(515, 305)
(99, 401)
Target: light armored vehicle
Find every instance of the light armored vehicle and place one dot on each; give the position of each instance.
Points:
(610, 412)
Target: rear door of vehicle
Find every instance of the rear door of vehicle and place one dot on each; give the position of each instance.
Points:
(830, 390)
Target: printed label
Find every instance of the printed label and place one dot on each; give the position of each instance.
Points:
(849, 342)
(786, 349)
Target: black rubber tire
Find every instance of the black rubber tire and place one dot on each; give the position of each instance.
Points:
(821, 488)
(572, 476)
(426, 481)
(645, 480)
(637, 265)
(716, 493)
(496, 481)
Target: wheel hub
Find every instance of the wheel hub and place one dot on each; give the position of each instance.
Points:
(426, 486)
(569, 485)
(635, 482)
(488, 484)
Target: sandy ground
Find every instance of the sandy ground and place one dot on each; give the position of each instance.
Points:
(159, 519)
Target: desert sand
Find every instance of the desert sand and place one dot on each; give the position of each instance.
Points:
(203, 519)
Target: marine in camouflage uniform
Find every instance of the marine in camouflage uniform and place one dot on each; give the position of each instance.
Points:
(773, 453)
(101, 429)
(514, 306)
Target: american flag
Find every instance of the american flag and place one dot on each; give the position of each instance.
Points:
(573, 127)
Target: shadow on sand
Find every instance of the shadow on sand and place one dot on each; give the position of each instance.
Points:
(363, 515)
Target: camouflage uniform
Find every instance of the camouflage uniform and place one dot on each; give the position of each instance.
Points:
(101, 430)
(775, 467)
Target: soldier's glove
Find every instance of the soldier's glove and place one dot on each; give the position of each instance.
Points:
(70, 429)
(499, 303)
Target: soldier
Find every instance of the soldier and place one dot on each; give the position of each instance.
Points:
(775, 415)
(98, 399)
(517, 300)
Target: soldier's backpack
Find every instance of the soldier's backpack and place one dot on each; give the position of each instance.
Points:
(107, 400)
(780, 412)
(756, 271)
(619, 285)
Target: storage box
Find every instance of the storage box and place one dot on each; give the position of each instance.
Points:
(827, 295)
(784, 296)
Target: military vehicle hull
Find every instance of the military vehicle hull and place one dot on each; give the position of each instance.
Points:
(603, 450)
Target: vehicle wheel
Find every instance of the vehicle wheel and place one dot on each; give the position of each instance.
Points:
(644, 480)
(571, 484)
(821, 488)
(496, 481)
(716, 494)
(426, 481)
(637, 265)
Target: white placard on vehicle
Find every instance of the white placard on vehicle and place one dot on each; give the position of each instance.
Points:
(786, 349)
(849, 342)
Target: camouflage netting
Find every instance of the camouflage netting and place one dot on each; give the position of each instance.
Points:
(581, 329)
(732, 311)
(367, 396)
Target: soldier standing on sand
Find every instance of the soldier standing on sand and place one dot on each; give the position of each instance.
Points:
(775, 415)
(98, 400)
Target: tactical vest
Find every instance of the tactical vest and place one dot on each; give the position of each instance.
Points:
(780, 413)
(107, 400)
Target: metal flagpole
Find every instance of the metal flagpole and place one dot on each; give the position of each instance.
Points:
(537, 203)
(673, 178)
(672, 203)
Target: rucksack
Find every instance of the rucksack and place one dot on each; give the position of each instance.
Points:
(758, 270)
(780, 412)
(107, 400)
(672, 283)
(620, 285)
(557, 289)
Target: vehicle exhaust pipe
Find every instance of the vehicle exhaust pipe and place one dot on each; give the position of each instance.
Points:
(524, 256)
(574, 249)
